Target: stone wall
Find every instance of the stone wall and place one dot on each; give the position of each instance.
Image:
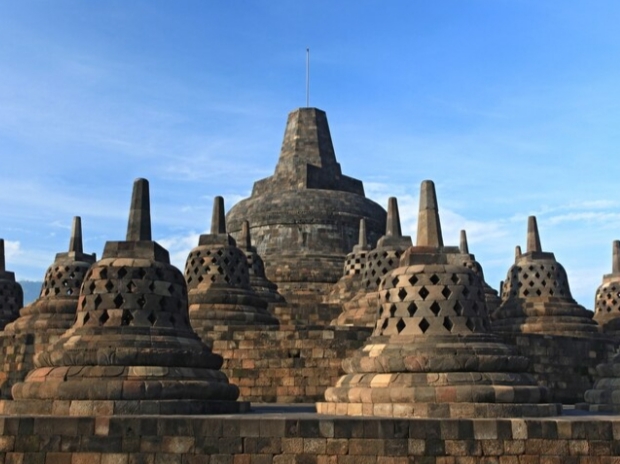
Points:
(278, 440)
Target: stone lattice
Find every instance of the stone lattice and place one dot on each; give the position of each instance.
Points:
(42, 322)
(11, 293)
(131, 349)
(218, 279)
(431, 353)
(607, 299)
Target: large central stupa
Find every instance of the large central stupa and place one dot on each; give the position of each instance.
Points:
(305, 218)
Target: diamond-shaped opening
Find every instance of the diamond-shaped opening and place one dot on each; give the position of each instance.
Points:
(385, 323)
(212, 278)
(474, 307)
(423, 292)
(447, 323)
(531, 283)
(394, 281)
(526, 292)
(104, 317)
(465, 292)
(109, 285)
(400, 325)
(551, 292)
(424, 325)
(65, 283)
(69, 291)
(141, 273)
(92, 287)
(390, 262)
(97, 301)
(561, 292)
(435, 308)
(413, 280)
(526, 275)
(141, 301)
(538, 292)
(446, 292)
(537, 275)
(373, 273)
(152, 318)
(411, 309)
(458, 308)
(379, 263)
(454, 279)
(470, 324)
(56, 290)
(553, 268)
(171, 289)
(85, 318)
(122, 272)
(127, 317)
(544, 283)
(131, 286)
(402, 294)
(118, 301)
(226, 261)
(434, 279)
(103, 273)
(392, 310)
(387, 296)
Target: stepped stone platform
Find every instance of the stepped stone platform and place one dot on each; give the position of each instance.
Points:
(305, 218)
(431, 353)
(131, 349)
(41, 323)
(540, 317)
(293, 434)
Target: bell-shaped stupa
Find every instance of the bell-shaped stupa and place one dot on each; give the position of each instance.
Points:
(431, 353)
(265, 288)
(11, 293)
(131, 349)
(304, 218)
(536, 297)
(218, 281)
(607, 299)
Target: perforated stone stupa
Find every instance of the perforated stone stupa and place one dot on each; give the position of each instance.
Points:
(218, 279)
(361, 310)
(11, 293)
(42, 322)
(131, 349)
(431, 353)
(304, 219)
(607, 299)
(536, 297)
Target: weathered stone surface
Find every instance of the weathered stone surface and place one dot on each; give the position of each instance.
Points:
(131, 349)
(11, 293)
(218, 279)
(42, 322)
(607, 300)
(431, 353)
(304, 218)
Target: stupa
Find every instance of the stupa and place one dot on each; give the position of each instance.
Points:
(431, 353)
(218, 281)
(607, 300)
(11, 293)
(536, 297)
(42, 322)
(131, 349)
(304, 219)
(361, 310)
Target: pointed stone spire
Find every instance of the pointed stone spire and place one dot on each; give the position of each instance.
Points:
(2, 261)
(362, 242)
(139, 227)
(245, 239)
(518, 252)
(501, 288)
(218, 219)
(463, 246)
(533, 238)
(616, 257)
(75, 243)
(429, 227)
(392, 225)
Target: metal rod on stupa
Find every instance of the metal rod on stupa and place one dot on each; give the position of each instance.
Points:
(2, 261)
(429, 226)
(616, 257)
(463, 246)
(245, 239)
(75, 243)
(218, 219)
(139, 227)
(533, 238)
(392, 225)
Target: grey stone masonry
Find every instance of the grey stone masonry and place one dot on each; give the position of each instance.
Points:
(431, 353)
(131, 349)
(607, 300)
(305, 218)
(11, 293)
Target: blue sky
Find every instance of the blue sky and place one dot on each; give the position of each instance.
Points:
(511, 107)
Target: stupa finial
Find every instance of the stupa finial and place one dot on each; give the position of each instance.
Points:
(139, 227)
(245, 238)
(362, 241)
(429, 227)
(518, 252)
(463, 246)
(2, 261)
(616, 257)
(533, 238)
(218, 219)
(75, 243)
(392, 225)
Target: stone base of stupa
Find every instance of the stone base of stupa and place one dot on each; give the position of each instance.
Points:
(361, 311)
(85, 408)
